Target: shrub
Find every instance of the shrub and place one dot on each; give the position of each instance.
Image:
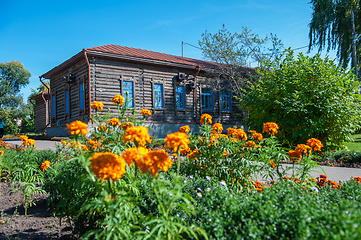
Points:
(307, 97)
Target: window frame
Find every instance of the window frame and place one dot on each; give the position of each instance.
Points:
(53, 106)
(133, 92)
(67, 100)
(229, 96)
(161, 93)
(81, 96)
(183, 98)
(211, 98)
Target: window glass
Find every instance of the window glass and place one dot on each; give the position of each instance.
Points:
(225, 100)
(128, 87)
(158, 95)
(81, 95)
(180, 97)
(207, 99)
(53, 105)
(66, 101)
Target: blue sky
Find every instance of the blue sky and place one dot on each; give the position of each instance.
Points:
(43, 34)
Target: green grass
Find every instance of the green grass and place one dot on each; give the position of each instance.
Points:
(356, 144)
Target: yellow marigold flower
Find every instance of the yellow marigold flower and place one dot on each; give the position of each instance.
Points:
(84, 148)
(234, 139)
(64, 142)
(118, 99)
(78, 127)
(241, 134)
(315, 144)
(98, 106)
(155, 160)
(206, 118)
(23, 137)
(127, 124)
(103, 128)
(44, 166)
(1, 153)
(132, 154)
(231, 131)
(176, 140)
(29, 142)
(295, 155)
(217, 127)
(273, 165)
(114, 122)
(184, 129)
(252, 131)
(138, 135)
(225, 153)
(302, 148)
(270, 128)
(107, 166)
(145, 112)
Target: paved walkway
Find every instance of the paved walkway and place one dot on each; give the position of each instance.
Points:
(334, 173)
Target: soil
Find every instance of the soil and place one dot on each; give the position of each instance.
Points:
(38, 224)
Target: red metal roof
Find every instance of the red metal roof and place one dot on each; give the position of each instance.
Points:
(141, 53)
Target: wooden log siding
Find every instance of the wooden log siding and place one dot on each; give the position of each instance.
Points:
(58, 83)
(40, 113)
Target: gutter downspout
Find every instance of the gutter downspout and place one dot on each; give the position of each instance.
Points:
(89, 90)
(195, 93)
(47, 122)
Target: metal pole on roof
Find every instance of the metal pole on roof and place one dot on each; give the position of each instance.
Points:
(182, 48)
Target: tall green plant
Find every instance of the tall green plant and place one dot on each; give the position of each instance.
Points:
(307, 97)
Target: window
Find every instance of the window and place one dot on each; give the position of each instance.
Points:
(53, 105)
(81, 95)
(225, 100)
(67, 101)
(207, 99)
(158, 95)
(128, 87)
(180, 97)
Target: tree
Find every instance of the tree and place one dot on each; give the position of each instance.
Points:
(13, 76)
(330, 27)
(232, 51)
(307, 97)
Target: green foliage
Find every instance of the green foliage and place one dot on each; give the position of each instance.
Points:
(330, 27)
(13, 76)
(307, 97)
(232, 51)
(10, 125)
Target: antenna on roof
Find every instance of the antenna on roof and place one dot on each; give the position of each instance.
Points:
(182, 48)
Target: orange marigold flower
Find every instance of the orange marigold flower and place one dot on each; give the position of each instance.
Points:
(118, 99)
(217, 127)
(44, 166)
(127, 124)
(107, 166)
(138, 135)
(1, 153)
(295, 155)
(323, 176)
(234, 139)
(315, 144)
(176, 140)
(184, 151)
(193, 154)
(155, 160)
(270, 128)
(333, 184)
(98, 106)
(232, 131)
(135, 154)
(206, 118)
(241, 134)
(225, 153)
(114, 122)
(258, 136)
(145, 112)
(249, 144)
(23, 137)
(184, 129)
(103, 128)
(357, 179)
(78, 127)
(272, 163)
(302, 148)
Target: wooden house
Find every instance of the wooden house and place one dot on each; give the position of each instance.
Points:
(41, 108)
(174, 88)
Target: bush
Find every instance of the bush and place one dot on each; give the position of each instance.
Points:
(307, 97)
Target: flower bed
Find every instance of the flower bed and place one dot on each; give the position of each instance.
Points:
(118, 183)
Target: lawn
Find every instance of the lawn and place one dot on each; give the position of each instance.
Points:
(356, 144)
